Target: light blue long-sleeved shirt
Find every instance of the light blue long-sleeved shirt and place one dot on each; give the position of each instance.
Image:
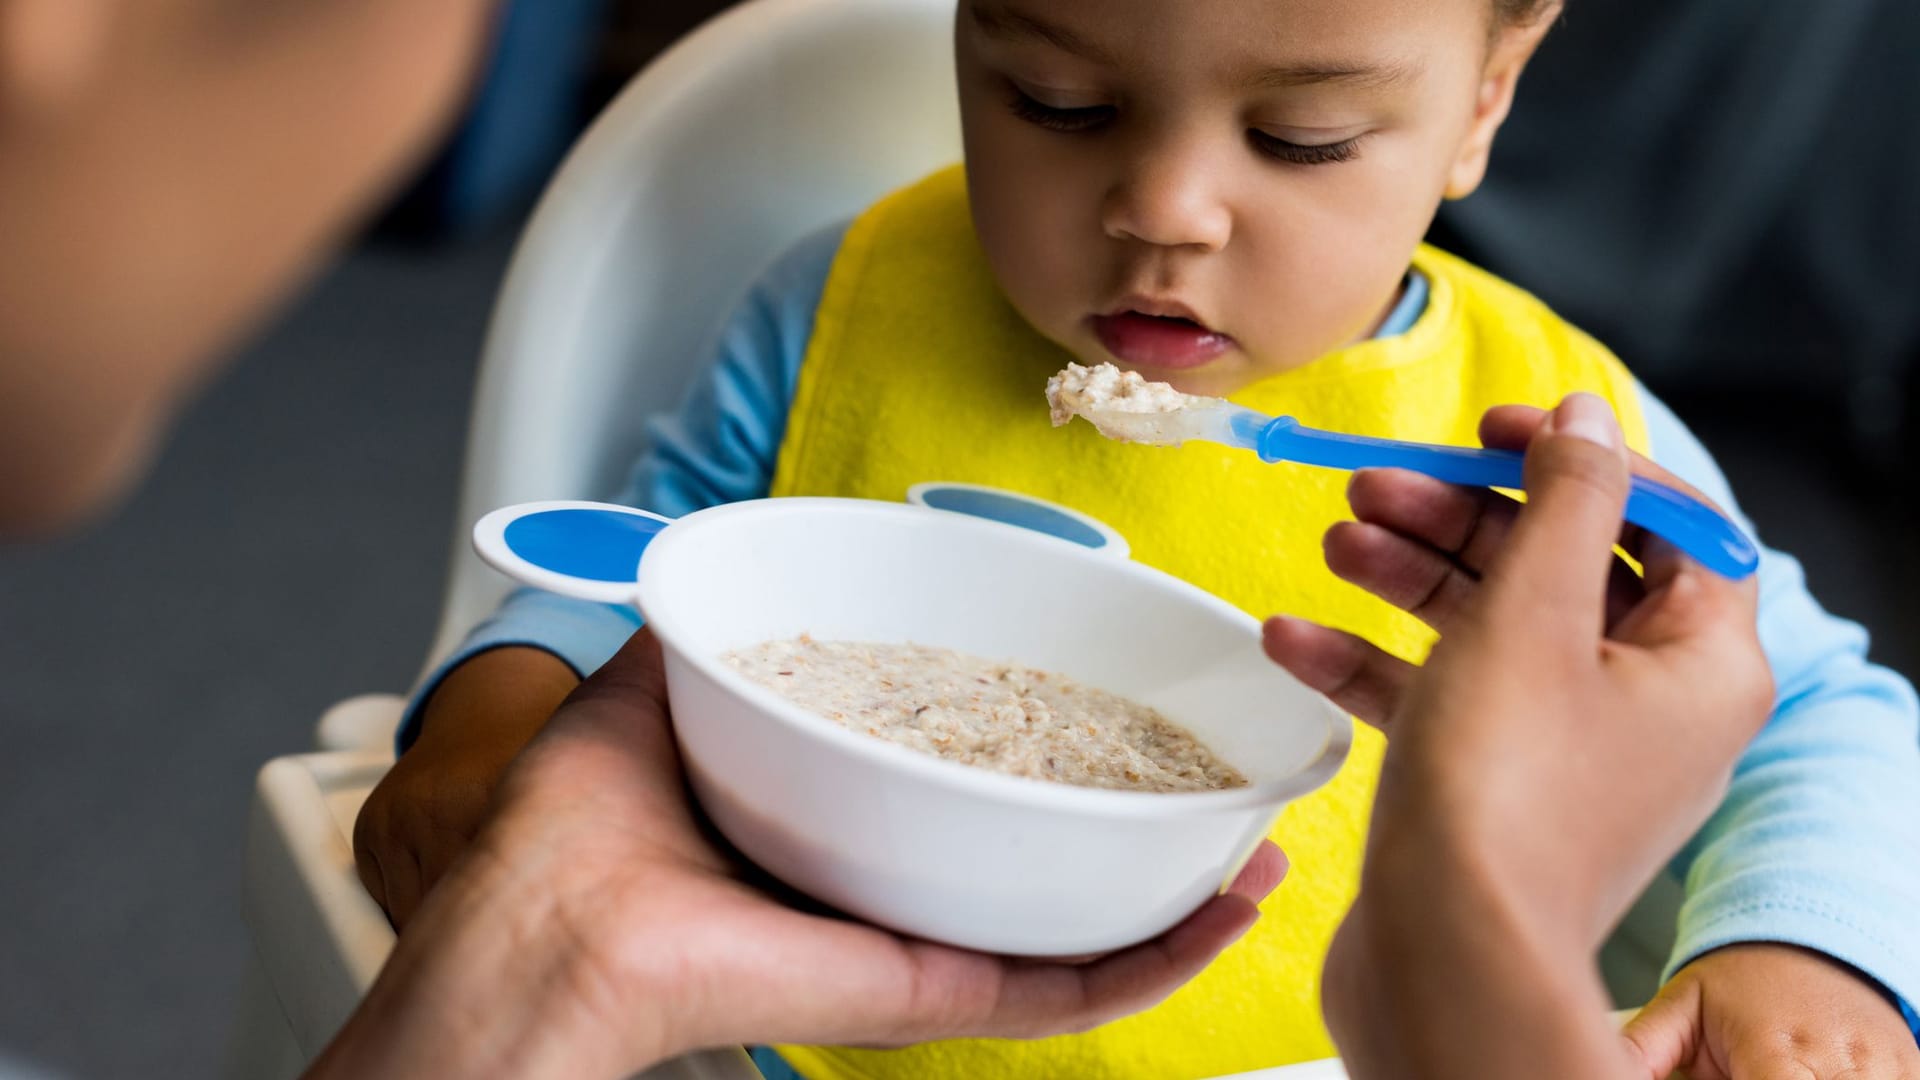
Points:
(1817, 843)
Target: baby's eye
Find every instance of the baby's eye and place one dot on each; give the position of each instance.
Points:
(1053, 118)
(1294, 153)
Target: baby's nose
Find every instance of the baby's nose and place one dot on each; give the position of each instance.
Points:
(1169, 198)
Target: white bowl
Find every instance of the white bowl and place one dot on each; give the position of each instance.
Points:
(945, 851)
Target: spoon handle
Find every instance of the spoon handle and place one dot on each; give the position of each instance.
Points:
(1687, 523)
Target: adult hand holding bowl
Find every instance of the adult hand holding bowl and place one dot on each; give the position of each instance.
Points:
(595, 927)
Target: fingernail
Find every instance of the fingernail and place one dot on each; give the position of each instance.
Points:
(1585, 416)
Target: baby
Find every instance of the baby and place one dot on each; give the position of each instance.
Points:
(1229, 196)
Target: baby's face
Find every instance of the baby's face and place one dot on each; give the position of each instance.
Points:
(1213, 191)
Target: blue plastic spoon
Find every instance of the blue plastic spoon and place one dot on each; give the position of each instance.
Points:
(1687, 523)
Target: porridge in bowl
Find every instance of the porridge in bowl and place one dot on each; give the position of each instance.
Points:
(998, 716)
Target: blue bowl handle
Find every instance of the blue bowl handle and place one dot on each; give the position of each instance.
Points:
(586, 550)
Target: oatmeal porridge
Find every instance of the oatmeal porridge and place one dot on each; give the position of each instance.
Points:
(997, 716)
(1105, 390)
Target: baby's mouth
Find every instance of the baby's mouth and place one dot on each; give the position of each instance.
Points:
(1159, 339)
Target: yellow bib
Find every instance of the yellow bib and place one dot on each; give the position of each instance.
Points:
(920, 370)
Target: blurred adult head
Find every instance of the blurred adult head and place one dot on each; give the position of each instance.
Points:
(169, 169)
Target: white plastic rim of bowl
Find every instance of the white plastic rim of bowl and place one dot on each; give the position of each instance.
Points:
(657, 569)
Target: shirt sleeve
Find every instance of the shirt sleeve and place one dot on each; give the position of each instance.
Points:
(1817, 843)
(719, 447)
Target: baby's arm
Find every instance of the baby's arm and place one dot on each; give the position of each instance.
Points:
(1798, 935)
(474, 714)
(428, 806)
(465, 726)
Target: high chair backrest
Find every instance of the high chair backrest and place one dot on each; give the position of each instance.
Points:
(772, 120)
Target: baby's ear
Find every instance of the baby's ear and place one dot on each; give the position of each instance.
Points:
(1512, 48)
(49, 51)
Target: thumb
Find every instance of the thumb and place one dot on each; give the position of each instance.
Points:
(615, 719)
(1559, 557)
(1666, 1035)
(636, 673)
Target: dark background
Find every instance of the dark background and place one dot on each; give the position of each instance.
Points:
(287, 551)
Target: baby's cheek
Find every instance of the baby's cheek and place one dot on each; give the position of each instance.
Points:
(1052, 292)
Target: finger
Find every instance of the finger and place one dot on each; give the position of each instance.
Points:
(1667, 575)
(867, 986)
(1466, 524)
(1550, 581)
(611, 735)
(1689, 602)
(635, 674)
(1662, 562)
(1684, 600)
(1404, 572)
(889, 990)
(1442, 536)
(1666, 1035)
(1511, 427)
(1263, 873)
(613, 740)
(1138, 978)
(1351, 671)
(1041, 999)
(1702, 629)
